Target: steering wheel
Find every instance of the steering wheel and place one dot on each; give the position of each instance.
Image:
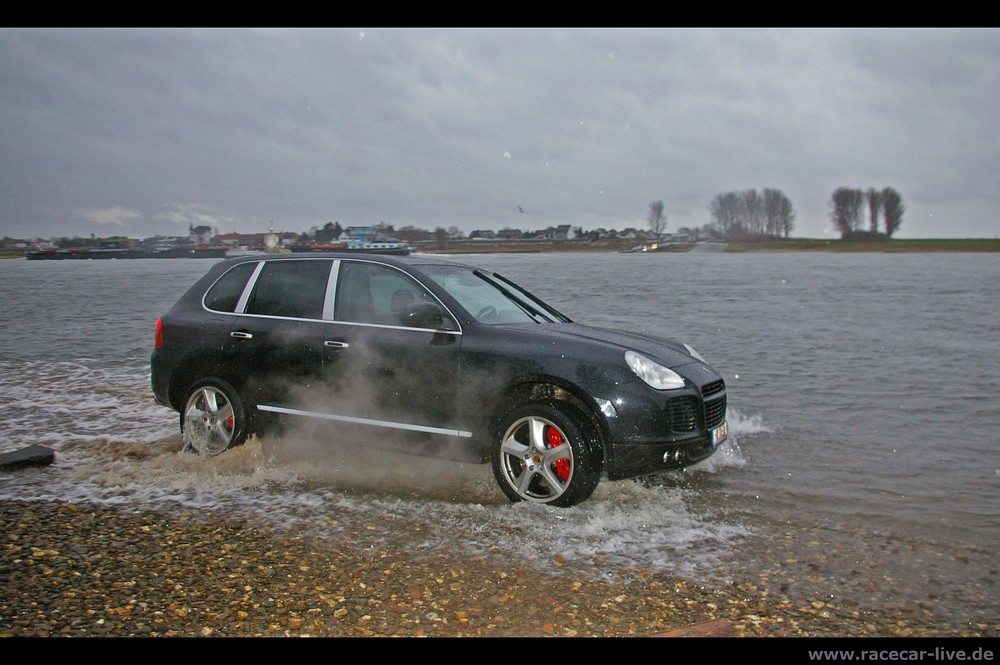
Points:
(487, 312)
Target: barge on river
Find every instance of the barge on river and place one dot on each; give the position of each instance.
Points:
(358, 239)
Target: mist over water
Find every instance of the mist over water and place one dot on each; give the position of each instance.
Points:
(862, 394)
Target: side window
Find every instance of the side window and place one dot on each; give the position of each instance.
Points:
(369, 293)
(293, 289)
(226, 292)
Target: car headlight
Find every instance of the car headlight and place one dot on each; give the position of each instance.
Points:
(655, 375)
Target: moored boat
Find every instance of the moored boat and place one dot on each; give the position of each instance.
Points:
(358, 239)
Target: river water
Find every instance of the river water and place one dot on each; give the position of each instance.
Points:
(863, 464)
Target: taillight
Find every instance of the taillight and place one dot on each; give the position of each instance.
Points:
(158, 343)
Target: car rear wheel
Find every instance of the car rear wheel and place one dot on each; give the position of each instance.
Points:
(214, 418)
(543, 456)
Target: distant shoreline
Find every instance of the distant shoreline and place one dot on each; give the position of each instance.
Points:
(619, 245)
(792, 245)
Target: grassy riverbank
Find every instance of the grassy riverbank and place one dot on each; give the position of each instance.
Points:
(916, 245)
(621, 245)
(791, 245)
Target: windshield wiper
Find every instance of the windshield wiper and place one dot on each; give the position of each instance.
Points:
(548, 308)
(531, 311)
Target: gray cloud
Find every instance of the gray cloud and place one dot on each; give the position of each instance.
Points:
(144, 131)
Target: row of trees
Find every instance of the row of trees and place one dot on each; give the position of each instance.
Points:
(750, 213)
(769, 214)
(737, 215)
(848, 206)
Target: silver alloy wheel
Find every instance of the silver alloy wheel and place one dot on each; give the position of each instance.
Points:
(209, 421)
(536, 459)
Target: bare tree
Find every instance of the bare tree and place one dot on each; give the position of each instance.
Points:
(440, 237)
(846, 206)
(751, 206)
(657, 220)
(779, 216)
(749, 213)
(892, 208)
(724, 209)
(874, 198)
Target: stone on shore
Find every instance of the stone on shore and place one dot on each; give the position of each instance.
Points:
(33, 455)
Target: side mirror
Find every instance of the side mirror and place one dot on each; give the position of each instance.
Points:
(423, 315)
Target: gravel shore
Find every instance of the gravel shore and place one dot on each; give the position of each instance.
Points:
(87, 570)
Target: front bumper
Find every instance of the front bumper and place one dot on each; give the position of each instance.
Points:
(650, 433)
(628, 460)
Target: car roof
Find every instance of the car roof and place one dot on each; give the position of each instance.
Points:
(389, 259)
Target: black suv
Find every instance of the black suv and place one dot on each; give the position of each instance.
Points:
(437, 357)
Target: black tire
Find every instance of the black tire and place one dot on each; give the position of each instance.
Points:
(528, 467)
(213, 418)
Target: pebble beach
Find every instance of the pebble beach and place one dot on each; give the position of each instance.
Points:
(96, 571)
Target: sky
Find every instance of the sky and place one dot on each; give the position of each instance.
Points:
(147, 131)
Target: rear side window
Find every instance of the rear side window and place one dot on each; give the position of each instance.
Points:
(226, 292)
(294, 289)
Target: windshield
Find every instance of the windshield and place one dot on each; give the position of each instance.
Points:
(491, 298)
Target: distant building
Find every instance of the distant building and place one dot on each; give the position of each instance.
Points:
(256, 241)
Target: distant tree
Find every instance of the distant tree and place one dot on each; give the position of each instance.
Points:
(750, 214)
(751, 207)
(725, 212)
(657, 220)
(846, 207)
(330, 231)
(779, 215)
(892, 209)
(874, 198)
(440, 237)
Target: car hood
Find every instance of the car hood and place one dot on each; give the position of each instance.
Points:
(668, 353)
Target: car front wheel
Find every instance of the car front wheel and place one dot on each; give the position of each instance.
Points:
(214, 418)
(544, 457)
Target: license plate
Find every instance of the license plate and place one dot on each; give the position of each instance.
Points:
(720, 433)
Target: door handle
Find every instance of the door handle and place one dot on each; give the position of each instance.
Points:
(241, 334)
(335, 344)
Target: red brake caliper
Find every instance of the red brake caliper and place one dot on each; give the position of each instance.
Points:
(554, 439)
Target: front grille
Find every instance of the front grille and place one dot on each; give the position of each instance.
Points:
(714, 395)
(715, 412)
(710, 389)
(685, 414)
(682, 414)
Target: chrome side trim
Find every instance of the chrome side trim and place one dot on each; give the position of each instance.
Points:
(365, 421)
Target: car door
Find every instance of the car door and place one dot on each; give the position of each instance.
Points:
(277, 339)
(385, 371)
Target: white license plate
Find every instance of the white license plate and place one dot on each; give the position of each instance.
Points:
(720, 433)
